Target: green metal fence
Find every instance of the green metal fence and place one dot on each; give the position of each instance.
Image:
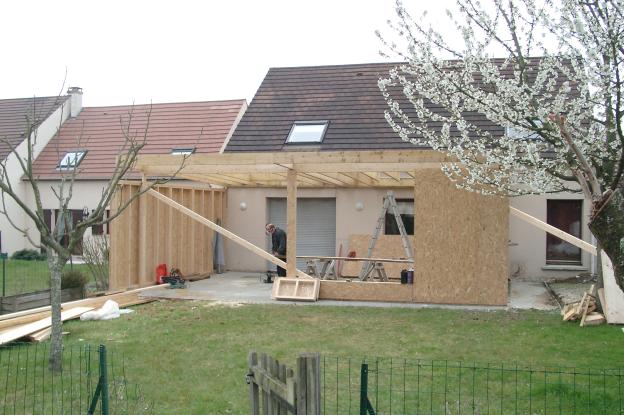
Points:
(92, 381)
(402, 386)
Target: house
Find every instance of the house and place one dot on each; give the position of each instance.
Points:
(345, 103)
(88, 145)
(17, 117)
(313, 153)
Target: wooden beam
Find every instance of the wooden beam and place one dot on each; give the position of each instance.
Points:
(233, 237)
(585, 246)
(291, 215)
(362, 178)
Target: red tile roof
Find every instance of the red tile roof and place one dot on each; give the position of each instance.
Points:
(16, 113)
(98, 130)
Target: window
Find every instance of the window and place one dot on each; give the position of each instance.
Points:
(406, 210)
(103, 229)
(61, 225)
(187, 151)
(307, 132)
(71, 160)
(567, 216)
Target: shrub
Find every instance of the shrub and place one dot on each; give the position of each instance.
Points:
(72, 278)
(28, 255)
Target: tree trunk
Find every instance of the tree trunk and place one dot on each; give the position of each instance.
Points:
(607, 225)
(56, 264)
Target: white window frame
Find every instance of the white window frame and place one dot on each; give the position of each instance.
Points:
(71, 160)
(322, 123)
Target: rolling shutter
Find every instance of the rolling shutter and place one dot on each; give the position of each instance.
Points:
(316, 225)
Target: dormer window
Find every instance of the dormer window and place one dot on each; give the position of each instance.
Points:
(71, 160)
(185, 151)
(307, 132)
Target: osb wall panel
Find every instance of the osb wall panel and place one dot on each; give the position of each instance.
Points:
(365, 291)
(460, 243)
(387, 246)
(149, 233)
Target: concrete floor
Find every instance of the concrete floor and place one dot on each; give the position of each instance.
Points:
(247, 288)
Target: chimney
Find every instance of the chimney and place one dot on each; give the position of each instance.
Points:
(75, 103)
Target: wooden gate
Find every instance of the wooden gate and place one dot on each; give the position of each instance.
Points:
(275, 389)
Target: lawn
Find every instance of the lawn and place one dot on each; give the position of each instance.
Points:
(190, 357)
(21, 276)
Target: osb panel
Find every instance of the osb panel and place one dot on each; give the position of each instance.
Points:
(149, 233)
(387, 246)
(365, 291)
(460, 244)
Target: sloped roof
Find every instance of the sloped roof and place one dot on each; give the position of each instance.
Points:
(17, 113)
(345, 95)
(100, 131)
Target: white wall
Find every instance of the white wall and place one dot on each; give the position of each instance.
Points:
(527, 251)
(12, 239)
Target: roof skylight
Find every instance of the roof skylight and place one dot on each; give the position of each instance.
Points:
(71, 160)
(307, 132)
(186, 151)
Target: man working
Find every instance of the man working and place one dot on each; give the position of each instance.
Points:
(278, 241)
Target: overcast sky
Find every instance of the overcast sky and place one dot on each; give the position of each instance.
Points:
(128, 51)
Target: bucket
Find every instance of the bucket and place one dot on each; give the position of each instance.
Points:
(161, 271)
(410, 276)
(404, 276)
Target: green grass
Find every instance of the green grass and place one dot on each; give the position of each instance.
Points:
(23, 276)
(190, 357)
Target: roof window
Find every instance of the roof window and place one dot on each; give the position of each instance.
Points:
(307, 132)
(71, 160)
(186, 151)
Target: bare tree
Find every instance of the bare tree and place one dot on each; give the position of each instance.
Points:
(556, 91)
(51, 240)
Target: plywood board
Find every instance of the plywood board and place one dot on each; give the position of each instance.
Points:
(295, 289)
(387, 246)
(460, 243)
(365, 291)
(613, 296)
(149, 233)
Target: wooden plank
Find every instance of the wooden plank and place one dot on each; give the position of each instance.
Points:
(346, 258)
(553, 231)
(233, 237)
(254, 392)
(39, 325)
(291, 215)
(365, 291)
(585, 303)
(603, 303)
(594, 319)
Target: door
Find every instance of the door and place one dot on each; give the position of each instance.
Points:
(316, 225)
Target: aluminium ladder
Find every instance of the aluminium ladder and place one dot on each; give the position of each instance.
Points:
(369, 266)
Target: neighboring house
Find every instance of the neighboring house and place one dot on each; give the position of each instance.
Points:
(91, 142)
(339, 108)
(47, 114)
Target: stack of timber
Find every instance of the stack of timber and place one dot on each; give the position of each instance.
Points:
(34, 324)
(584, 310)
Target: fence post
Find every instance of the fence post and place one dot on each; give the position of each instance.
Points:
(365, 406)
(254, 395)
(103, 379)
(4, 257)
(308, 384)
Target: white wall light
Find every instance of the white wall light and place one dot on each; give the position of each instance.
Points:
(359, 206)
(243, 206)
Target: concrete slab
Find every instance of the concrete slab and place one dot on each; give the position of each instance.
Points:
(247, 288)
(526, 295)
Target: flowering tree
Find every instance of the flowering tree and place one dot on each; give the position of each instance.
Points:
(545, 117)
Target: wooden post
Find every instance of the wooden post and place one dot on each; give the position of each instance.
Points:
(291, 246)
(309, 384)
(254, 392)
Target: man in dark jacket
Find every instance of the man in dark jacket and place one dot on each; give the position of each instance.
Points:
(278, 241)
